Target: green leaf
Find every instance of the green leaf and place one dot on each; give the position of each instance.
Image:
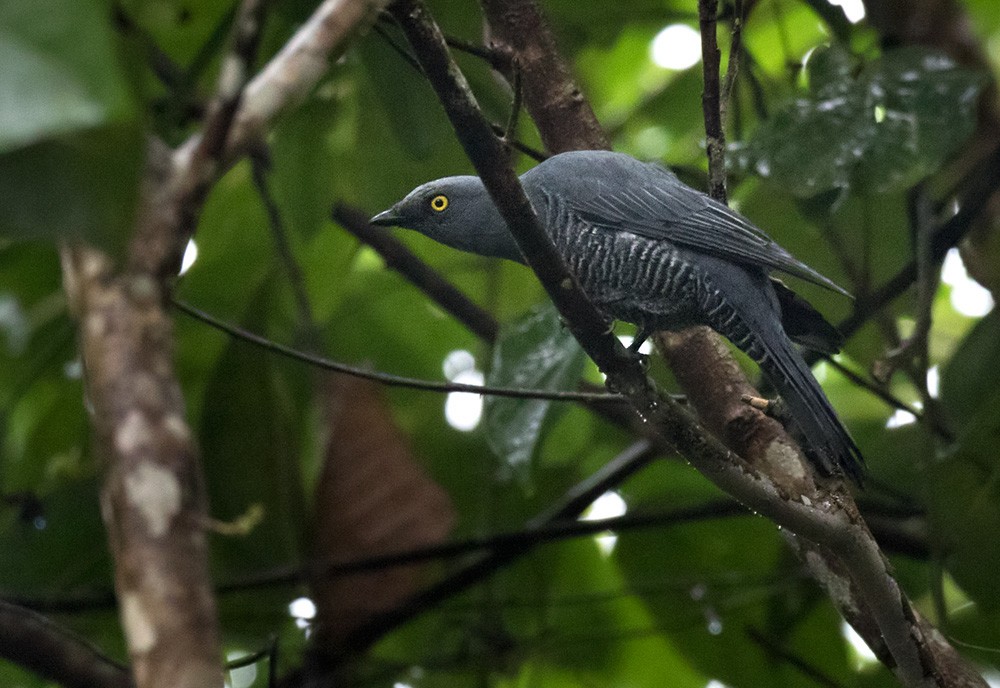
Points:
(80, 186)
(964, 504)
(964, 508)
(249, 427)
(408, 103)
(972, 374)
(58, 75)
(534, 352)
(894, 124)
(70, 147)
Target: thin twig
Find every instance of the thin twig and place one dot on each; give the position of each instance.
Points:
(530, 536)
(506, 133)
(715, 138)
(984, 180)
(54, 653)
(733, 66)
(570, 505)
(872, 387)
(773, 648)
(387, 378)
(259, 167)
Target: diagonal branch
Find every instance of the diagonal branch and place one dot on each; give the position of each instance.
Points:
(36, 643)
(856, 574)
(570, 506)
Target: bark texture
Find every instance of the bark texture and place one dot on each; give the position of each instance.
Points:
(153, 500)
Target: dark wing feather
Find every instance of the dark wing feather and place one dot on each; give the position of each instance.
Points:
(804, 324)
(671, 211)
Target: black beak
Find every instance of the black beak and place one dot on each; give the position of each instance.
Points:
(387, 218)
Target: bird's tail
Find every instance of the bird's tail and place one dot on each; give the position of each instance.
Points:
(828, 442)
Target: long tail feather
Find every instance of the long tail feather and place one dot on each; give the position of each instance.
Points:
(826, 437)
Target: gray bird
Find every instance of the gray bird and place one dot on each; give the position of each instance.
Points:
(652, 251)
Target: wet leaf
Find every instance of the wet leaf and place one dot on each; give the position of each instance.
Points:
(534, 352)
(895, 123)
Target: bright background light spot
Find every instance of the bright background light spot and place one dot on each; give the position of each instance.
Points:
(678, 46)
(608, 505)
(715, 683)
(73, 370)
(853, 9)
(863, 654)
(302, 608)
(457, 362)
(821, 371)
(899, 419)
(645, 348)
(241, 677)
(463, 410)
(14, 323)
(992, 678)
(967, 296)
(190, 256)
(933, 381)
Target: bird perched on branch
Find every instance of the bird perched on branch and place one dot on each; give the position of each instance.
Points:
(649, 250)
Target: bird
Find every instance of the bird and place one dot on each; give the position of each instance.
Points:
(649, 250)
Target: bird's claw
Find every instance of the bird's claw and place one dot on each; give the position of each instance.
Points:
(774, 408)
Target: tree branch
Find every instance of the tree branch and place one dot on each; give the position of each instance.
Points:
(291, 74)
(821, 516)
(34, 642)
(153, 500)
(394, 380)
(715, 138)
(571, 505)
(398, 257)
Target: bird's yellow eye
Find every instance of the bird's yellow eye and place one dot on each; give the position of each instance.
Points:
(439, 203)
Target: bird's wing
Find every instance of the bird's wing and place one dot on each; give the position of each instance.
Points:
(677, 213)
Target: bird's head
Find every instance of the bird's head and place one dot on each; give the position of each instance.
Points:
(457, 212)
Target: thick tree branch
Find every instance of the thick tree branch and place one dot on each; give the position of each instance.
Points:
(291, 74)
(824, 517)
(153, 500)
(34, 642)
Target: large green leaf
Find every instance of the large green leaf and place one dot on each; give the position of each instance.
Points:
(972, 375)
(59, 75)
(248, 427)
(70, 146)
(881, 131)
(964, 507)
(533, 352)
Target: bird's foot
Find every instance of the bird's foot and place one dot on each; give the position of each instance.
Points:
(774, 408)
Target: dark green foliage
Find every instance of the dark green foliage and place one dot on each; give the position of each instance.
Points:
(71, 147)
(535, 352)
(874, 128)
